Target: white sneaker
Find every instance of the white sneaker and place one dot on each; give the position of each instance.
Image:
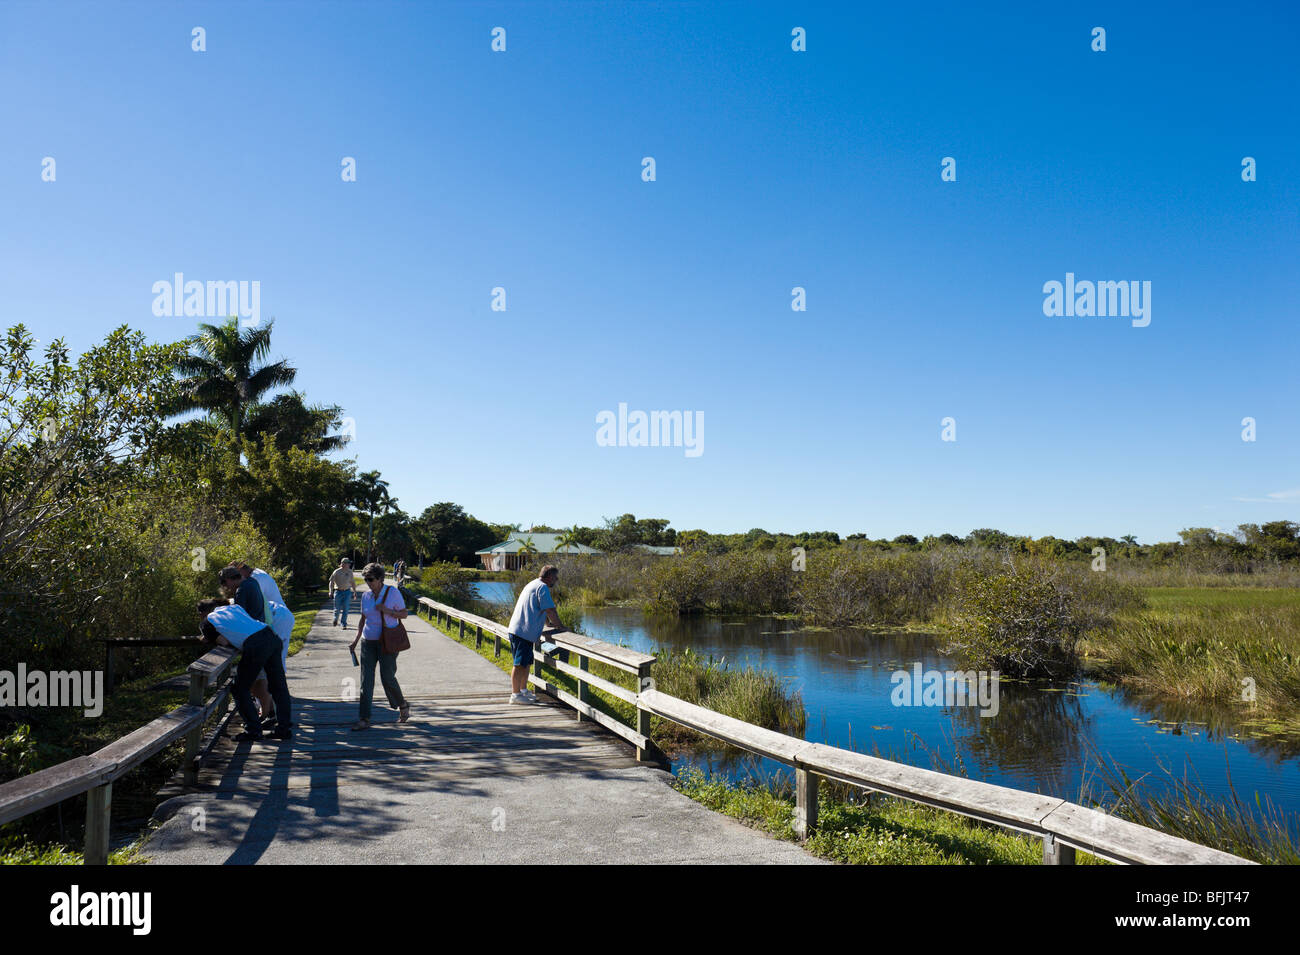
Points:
(532, 697)
(519, 698)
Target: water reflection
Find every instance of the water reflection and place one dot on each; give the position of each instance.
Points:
(1045, 737)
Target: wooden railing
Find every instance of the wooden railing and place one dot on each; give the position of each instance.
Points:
(119, 643)
(1062, 826)
(584, 650)
(96, 773)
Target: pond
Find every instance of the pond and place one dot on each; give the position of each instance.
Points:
(1045, 737)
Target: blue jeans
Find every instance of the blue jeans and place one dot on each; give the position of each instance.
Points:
(342, 601)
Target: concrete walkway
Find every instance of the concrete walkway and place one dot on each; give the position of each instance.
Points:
(469, 779)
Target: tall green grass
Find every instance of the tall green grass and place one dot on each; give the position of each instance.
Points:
(1255, 830)
(755, 696)
(1216, 648)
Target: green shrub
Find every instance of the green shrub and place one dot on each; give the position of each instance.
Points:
(443, 581)
(1022, 621)
(850, 588)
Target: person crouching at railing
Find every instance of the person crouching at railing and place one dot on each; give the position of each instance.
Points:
(259, 648)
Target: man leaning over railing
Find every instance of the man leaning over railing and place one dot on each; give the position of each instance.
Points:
(259, 648)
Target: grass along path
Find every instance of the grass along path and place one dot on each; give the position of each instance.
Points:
(865, 829)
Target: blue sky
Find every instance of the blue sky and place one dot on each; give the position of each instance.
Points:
(775, 169)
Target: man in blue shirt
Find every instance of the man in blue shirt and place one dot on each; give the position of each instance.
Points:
(259, 648)
(534, 609)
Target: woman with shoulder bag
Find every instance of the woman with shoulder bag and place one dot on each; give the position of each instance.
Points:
(382, 610)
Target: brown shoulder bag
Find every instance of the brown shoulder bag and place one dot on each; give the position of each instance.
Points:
(391, 639)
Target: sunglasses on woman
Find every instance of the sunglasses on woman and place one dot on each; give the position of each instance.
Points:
(370, 578)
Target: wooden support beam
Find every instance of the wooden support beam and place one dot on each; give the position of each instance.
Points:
(194, 738)
(584, 691)
(99, 804)
(1056, 852)
(649, 753)
(805, 803)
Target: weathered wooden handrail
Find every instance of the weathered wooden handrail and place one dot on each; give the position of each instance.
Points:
(1063, 826)
(96, 773)
(585, 649)
(117, 643)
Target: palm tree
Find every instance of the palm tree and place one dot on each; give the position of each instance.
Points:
(526, 547)
(371, 494)
(222, 375)
(293, 423)
(569, 539)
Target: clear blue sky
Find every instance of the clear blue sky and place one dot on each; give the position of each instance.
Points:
(775, 169)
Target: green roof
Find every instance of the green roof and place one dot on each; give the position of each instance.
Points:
(545, 544)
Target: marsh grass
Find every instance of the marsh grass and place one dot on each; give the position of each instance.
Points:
(1255, 829)
(1201, 645)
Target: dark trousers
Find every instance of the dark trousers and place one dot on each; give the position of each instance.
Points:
(261, 652)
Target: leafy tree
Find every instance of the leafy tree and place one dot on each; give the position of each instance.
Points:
(393, 537)
(76, 440)
(458, 535)
(294, 424)
(297, 499)
(988, 537)
(624, 532)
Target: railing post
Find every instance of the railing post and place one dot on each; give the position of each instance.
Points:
(644, 681)
(478, 637)
(1055, 853)
(584, 693)
(805, 803)
(462, 629)
(99, 804)
(194, 738)
(496, 650)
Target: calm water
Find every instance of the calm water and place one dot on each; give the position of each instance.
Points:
(1044, 738)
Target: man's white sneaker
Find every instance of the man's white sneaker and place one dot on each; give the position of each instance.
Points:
(532, 697)
(519, 698)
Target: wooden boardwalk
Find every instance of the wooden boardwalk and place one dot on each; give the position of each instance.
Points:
(471, 778)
